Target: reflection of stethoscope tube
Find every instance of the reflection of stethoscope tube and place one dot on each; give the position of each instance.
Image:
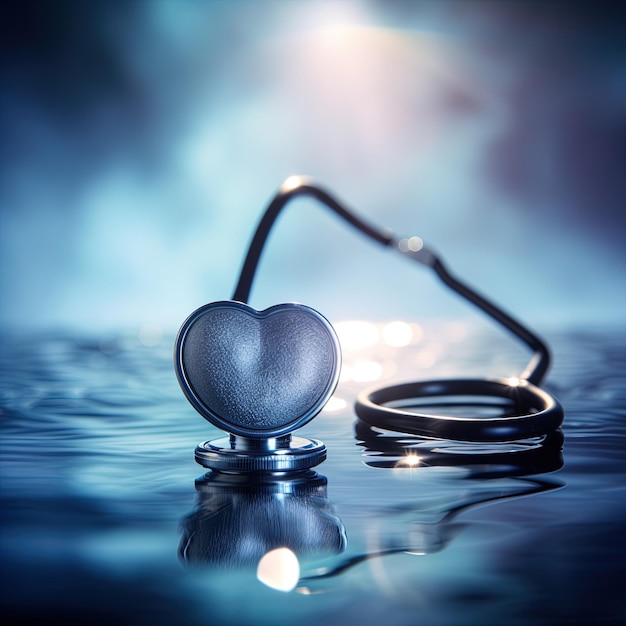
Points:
(424, 529)
(527, 457)
(240, 518)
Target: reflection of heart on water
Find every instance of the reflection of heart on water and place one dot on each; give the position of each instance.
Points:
(258, 370)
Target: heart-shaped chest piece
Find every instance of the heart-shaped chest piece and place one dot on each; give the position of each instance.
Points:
(257, 373)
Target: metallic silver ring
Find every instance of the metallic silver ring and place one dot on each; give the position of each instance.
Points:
(243, 454)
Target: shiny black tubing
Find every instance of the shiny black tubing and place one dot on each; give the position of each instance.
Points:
(304, 187)
(534, 411)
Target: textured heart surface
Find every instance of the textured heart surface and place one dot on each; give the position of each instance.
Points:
(257, 373)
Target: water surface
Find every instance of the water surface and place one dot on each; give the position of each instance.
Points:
(107, 518)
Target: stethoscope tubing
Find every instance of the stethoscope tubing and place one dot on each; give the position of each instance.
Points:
(535, 412)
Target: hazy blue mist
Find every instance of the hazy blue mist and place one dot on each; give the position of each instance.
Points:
(140, 142)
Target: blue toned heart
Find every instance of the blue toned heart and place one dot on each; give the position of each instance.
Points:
(257, 373)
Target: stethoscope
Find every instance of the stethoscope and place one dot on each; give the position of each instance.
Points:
(260, 375)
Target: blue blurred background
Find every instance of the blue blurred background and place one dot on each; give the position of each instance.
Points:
(140, 142)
